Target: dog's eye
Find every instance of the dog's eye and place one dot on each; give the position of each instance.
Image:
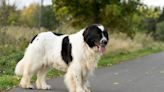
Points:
(97, 35)
(106, 34)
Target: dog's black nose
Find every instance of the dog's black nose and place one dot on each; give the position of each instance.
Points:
(104, 42)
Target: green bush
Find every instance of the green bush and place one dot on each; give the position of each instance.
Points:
(160, 31)
(10, 60)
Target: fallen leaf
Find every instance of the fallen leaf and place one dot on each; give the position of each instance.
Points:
(162, 71)
(116, 83)
(116, 73)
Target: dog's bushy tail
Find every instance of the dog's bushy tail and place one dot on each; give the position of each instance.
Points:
(19, 67)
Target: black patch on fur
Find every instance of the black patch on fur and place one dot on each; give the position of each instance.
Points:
(92, 35)
(58, 34)
(66, 50)
(34, 38)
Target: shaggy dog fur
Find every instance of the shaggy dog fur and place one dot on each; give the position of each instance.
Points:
(76, 54)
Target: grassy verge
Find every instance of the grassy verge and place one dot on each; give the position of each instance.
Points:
(9, 80)
(116, 58)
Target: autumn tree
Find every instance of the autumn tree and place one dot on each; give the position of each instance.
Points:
(29, 15)
(48, 19)
(8, 14)
(116, 14)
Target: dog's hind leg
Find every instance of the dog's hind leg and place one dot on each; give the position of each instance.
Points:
(19, 67)
(41, 76)
(25, 81)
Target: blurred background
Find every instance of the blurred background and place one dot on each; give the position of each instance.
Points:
(136, 27)
(128, 16)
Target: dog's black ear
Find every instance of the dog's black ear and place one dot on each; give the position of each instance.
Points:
(89, 36)
(33, 38)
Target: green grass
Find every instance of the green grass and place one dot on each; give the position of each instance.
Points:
(7, 76)
(115, 58)
(8, 80)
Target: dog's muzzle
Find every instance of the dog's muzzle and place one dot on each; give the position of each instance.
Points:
(102, 45)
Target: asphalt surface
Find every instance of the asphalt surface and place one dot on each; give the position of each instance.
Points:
(145, 74)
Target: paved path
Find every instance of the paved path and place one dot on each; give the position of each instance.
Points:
(144, 74)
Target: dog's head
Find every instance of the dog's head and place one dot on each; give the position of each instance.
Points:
(96, 36)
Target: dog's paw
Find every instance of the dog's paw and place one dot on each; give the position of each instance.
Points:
(46, 87)
(27, 86)
(80, 90)
(87, 89)
(30, 87)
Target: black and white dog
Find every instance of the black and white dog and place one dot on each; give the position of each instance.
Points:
(76, 54)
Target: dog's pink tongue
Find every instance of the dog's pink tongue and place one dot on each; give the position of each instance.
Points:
(101, 49)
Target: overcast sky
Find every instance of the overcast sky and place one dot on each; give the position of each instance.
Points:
(22, 3)
(154, 2)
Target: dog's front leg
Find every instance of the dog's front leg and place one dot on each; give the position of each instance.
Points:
(79, 83)
(85, 82)
(86, 86)
(73, 81)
